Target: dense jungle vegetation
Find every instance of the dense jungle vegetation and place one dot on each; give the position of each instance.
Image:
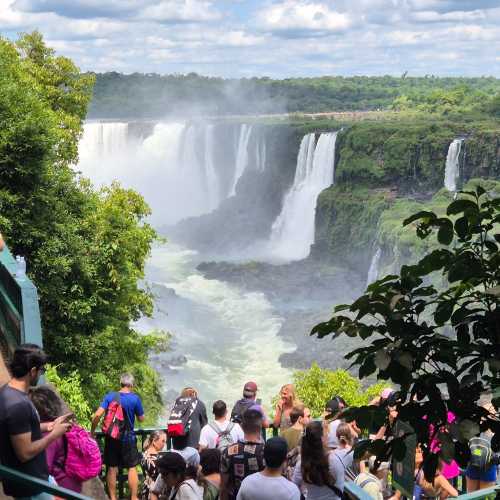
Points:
(152, 96)
(85, 248)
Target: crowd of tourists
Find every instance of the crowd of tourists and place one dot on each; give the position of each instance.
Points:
(223, 458)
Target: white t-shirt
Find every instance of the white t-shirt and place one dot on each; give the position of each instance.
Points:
(208, 436)
(257, 486)
(333, 441)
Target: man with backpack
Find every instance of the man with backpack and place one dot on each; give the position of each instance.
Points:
(243, 458)
(221, 432)
(120, 445)
(246, 402)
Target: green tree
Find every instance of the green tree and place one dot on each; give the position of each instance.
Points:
(316, 386)
(441, 346)
(85, 248)
(70, 390)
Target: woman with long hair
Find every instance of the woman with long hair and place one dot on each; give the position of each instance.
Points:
(153, 445)
(288, 399)
(50, 406)
(343, 456)
(176, 479)
(315, 469)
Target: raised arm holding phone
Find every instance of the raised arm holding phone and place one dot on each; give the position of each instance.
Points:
(22, 446)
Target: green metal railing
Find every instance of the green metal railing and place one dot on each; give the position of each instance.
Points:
(355, 492)
(19, 311)
(39, 484)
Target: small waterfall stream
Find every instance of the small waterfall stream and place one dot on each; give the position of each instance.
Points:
(241, 155)
(452, 169)
(374, 269)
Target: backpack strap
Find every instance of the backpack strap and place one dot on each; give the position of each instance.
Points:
(347, 470)
(366, 481)
(216, 428)
(128, 423)
(336, 490)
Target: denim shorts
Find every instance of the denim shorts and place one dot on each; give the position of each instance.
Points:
(488, 475)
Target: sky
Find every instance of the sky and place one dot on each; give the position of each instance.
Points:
(275, 38)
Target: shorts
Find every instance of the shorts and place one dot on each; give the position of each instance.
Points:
(122, 454)
(488, 475)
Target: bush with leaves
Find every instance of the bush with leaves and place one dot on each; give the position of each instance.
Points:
(316, 386)
(441, 346)
(69, 388)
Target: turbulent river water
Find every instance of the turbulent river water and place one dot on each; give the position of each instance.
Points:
(223, 336)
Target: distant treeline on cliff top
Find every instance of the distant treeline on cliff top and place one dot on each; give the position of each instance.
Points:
(152, 96)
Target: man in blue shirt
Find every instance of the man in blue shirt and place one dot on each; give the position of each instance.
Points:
(122, 452)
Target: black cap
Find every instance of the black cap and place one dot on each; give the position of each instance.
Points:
(171, 462)
(275, 451)
(335, 405)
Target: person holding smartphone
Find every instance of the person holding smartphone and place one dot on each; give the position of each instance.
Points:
(22, 444)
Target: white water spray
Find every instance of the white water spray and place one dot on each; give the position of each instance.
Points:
(452, 169)
(293, 231)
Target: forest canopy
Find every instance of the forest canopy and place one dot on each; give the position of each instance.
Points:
(151, 95)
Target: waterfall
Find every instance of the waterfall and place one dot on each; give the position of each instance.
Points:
(452, 169)
(241, 155)
(293, 231)
(212, 179)
(182, 169)
(374, 267)
(260, 162)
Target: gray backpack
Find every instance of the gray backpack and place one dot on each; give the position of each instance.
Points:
(224, 438)
(480, 453)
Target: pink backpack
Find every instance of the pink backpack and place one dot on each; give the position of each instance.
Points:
(83, 457)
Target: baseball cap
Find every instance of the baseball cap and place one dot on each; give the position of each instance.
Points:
(382, 465)
(171, 462)
(335, 405)
(275, 451)
(250, 389)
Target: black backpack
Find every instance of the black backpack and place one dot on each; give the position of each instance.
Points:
(239, 408)
(179, 421)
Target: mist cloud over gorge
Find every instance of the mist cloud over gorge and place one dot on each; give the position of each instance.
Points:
(275, 38)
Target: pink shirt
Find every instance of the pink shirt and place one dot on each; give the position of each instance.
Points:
(450, 470)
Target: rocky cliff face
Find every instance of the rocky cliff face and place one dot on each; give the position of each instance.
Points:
(389, 170)
(247, 216)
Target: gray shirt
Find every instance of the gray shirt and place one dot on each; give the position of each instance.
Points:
(317, 492)
(342, 462)
(260, 487)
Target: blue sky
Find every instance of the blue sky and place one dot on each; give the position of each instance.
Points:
(276, 38)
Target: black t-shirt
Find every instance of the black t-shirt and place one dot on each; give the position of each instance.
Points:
(19, 416)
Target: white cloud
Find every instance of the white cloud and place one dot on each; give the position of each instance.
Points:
(173, 11)
(302, 18)
(278, 38)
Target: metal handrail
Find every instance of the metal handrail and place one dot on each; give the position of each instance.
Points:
(6, 473)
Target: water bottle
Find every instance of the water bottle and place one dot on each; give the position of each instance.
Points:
(21, 267)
